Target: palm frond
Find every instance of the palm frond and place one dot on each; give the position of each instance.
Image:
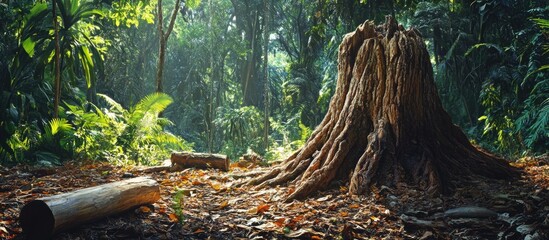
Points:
(153, 104)
(59, 125)
(484, 45)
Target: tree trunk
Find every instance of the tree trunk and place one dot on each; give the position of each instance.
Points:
(385, 124)
(266, 75)
(163, 41)
(44, 217)
(160, 65)
(57, 81)
(200, 160)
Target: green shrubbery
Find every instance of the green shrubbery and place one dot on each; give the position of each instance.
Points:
(110, 133)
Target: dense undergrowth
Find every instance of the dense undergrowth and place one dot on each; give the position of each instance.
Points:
(490, 60)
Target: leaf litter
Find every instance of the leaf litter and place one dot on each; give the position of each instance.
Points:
(213, 205)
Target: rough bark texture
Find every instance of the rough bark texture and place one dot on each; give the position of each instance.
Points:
(385, 124)
(199, 160)
(44, 217)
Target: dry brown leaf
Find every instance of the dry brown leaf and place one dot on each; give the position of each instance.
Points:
(173, 217)
(343, 214)
(280, 222)
(263, 208)
(252, 211)
(294, 221)
(216, 186)
(223, 204)
(144, 209)
(290, 190)
(167, 182)
(162, 209)
(354, 206)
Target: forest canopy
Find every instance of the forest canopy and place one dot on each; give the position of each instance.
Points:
(130, 81)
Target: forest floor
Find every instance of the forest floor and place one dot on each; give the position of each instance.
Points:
(212, 207)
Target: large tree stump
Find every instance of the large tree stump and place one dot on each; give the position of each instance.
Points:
(200, 160)
(385, 123)
(43, 217)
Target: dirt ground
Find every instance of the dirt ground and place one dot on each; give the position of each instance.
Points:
(208, 204)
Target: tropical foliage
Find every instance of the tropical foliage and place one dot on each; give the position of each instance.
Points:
(86, 131)
(490, 60)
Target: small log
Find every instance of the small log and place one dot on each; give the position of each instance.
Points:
(44, 217)
(200, 160)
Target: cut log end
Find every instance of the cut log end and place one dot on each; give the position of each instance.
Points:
(37, 220)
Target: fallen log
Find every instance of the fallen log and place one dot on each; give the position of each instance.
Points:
(44, 217)
(199, 160)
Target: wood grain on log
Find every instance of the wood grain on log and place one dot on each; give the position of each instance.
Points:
(200, 160)
(46, 216)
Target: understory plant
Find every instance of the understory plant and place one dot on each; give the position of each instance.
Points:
(113, 133)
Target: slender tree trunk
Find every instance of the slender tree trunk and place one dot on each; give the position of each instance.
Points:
(385, 124)
(163, 40)
(250, 72)
(160, 65)
(57, 84)
(266, 75)
(211, 124)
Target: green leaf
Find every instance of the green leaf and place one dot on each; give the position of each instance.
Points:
(192, 4)
(92, 12)
(37, 9)
(58, 124)
(542, 23)
(542, 68)
(111, 102)
(484, 45)
(154, 103)
(28, 45)
(87, 64)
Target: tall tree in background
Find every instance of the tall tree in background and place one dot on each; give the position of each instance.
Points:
(248, 16)
(266, 74)
(57, 81)
(163, 35)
